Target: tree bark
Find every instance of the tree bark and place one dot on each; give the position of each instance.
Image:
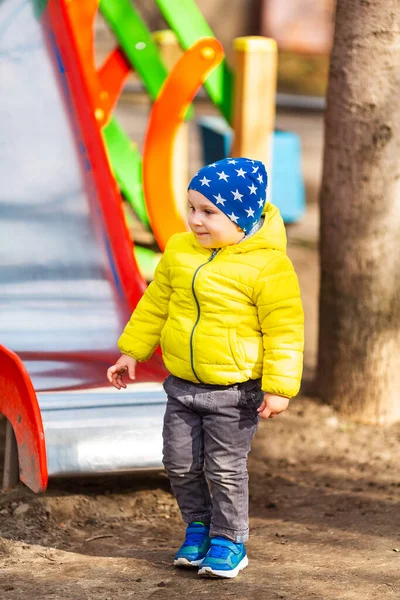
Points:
(359, 339)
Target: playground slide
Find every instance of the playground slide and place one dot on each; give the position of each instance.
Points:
(68, 281)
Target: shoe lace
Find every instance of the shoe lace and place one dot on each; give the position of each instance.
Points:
(194, 539)
(216, 551)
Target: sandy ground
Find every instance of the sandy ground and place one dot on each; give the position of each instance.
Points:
(324, 497)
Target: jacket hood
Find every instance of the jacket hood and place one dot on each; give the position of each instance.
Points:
(271, 235)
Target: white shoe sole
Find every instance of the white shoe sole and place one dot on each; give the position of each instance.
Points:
(184, 562)
(209, 572)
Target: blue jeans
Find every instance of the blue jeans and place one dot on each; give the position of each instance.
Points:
(207, 435)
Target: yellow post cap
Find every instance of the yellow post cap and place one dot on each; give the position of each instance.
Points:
(165, 36)
(255, 43)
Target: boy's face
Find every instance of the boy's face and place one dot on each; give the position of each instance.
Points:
(212, 228)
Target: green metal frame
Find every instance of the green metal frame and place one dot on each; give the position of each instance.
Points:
(189, 25)
(147, 260)
(137, 43)
(143, 54)
(126, 163)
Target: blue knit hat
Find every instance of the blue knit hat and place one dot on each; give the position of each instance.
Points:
(237, 186)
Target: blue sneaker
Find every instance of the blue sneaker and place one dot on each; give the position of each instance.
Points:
(195, 546)
(224, 559)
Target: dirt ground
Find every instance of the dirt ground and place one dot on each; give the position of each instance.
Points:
(324, 500)
(325, 523)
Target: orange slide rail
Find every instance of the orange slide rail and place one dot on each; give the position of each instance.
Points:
(166, 117)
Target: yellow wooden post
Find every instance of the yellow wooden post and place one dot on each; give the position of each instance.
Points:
(256, 62)
(171, 51)
(169, 47)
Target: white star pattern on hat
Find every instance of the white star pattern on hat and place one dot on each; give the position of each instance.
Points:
(205, 181)
(249, 160)
(240, 172)
(223, 175)
(237, 195)
(212, 165)
(255, 169)
(260, 202)
(232, 161)
(250, 212)
(233, 218)
(220, 199)
(252, 188)
(260, 178)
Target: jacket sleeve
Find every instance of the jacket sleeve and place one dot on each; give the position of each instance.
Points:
(141, 335)
(280, 312)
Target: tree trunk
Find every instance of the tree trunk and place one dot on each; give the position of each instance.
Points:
(359, 339)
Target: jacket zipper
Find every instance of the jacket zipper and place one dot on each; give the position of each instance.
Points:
(213, 255)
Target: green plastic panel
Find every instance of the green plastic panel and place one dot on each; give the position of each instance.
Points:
(147, 260)
(137, 43)
(127, 166)
(189, 25)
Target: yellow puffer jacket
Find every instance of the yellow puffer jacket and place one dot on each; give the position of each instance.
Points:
(225, 316)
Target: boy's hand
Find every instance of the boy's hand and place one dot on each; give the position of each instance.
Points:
(272, 405)
(124, 364)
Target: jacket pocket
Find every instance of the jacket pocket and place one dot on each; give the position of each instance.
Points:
(236, 349)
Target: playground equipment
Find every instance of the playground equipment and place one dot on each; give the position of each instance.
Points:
(167, 115)
(249, 115)
(150, 56)
(286, 178)
(252, 131)
(68, 279)
(256, 61)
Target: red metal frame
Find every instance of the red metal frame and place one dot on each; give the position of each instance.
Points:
(104, 85)
(112, 75)
(18, 400)
(57, 20)
(18, 403)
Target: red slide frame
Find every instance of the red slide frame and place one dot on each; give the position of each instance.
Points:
(18, 400)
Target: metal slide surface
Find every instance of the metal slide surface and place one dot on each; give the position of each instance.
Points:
(62, 307)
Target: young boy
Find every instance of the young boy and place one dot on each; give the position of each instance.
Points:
(225, 306)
